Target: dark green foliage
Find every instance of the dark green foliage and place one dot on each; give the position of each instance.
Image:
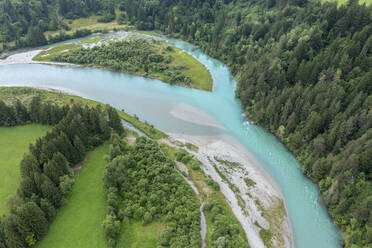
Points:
(183, 156)
(227, 233)
(142, 184)
(213, 183)
(26, 226)
(35, 37)
(114, 120)
(46, 175)
(25, 22)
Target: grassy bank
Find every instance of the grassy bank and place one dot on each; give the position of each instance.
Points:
(14, 142)
(48, 54)
(93, 40)
(79, 222)
(199, 74)
(25, 94)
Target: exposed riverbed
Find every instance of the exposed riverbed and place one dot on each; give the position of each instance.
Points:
(205, 118)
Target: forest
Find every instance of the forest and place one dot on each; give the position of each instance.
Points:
(23, 23)
(304, 72)
(46, 170)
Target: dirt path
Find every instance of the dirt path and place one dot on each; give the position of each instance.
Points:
(203, 221)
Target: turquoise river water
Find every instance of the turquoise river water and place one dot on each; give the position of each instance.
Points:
(153, 100)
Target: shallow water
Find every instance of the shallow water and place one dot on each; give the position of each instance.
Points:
(154, 101)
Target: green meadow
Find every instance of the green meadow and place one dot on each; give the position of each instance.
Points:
(79, 222)
(14, 142)
(135, 235)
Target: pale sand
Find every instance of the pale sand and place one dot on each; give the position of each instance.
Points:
(189, 113)
(265, 188)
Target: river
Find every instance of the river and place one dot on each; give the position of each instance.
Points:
(156, 102)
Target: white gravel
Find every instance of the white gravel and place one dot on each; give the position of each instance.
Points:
(265, 189)
(26, 58)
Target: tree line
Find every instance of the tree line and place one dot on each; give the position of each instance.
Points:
(46, 170)
(142, 185)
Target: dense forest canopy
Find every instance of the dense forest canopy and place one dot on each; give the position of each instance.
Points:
(142, 184)
(304, 72)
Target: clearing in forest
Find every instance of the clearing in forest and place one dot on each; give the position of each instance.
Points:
(14, 142)
(79, 222)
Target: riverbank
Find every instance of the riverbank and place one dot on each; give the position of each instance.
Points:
(259, 204)
(27, 58)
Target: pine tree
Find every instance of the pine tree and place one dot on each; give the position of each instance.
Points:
(21, 112)
(35, 109)
(48, 209)
(56, 168)
(29, 166)
(114, 120)
(51, 192)
(80, 148)
(35, 37)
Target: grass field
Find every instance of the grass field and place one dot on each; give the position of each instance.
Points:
(79, 222)
(135, 235)
(198, 73)
(92, 24)
(92, 41)
(200, 76)
(14, 142)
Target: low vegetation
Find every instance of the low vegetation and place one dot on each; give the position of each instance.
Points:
(92, 40)
(135, 235)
